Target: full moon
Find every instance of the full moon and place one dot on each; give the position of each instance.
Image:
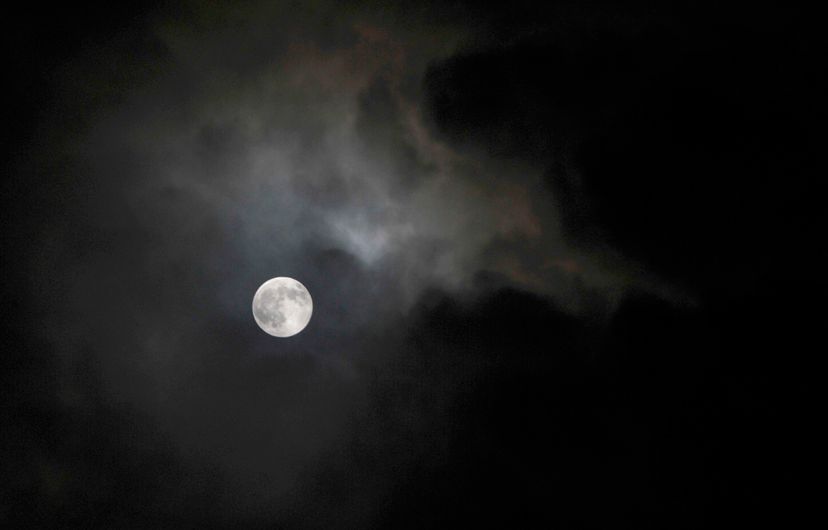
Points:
(282, 307)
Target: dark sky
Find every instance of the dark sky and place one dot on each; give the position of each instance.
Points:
(567, 261)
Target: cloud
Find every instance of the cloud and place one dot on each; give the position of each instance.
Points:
(246, 152)
(671, 146)
(494, 213)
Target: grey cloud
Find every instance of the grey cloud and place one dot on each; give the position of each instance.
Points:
(249, 153)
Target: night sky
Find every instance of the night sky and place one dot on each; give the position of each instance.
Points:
(567, 262)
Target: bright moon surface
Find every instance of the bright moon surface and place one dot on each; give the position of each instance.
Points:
(282, 307)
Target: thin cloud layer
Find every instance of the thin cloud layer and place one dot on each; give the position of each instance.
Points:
(550, 250)
(249, 152)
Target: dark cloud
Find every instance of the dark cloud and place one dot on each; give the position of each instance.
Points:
(564, 262)
(708, 129)
(503, 410)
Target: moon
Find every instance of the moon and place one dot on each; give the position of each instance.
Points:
(282, 307)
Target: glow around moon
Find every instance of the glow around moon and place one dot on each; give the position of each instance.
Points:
(282, 307)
